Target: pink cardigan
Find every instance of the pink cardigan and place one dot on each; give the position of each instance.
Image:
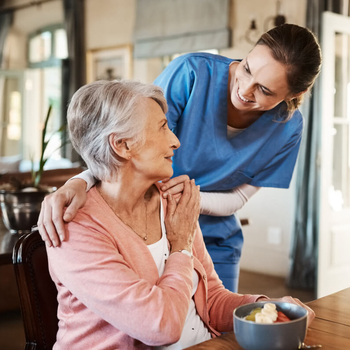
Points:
(109, 292)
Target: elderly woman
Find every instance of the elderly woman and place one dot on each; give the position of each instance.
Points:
(134, 272)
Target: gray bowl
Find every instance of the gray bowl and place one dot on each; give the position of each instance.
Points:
(275, 336)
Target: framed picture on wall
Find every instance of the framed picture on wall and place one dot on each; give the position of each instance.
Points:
(109, 63)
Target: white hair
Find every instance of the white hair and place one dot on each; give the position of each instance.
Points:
(103, 108)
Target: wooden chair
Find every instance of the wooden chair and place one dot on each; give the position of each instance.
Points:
(37, 292)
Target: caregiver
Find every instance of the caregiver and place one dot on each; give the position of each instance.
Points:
(239, 129)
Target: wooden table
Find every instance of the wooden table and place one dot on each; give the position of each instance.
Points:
(330, 328)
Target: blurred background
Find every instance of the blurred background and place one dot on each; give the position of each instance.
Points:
(297, 240)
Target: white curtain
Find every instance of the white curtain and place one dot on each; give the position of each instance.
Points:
(165, 27)
(5, 24)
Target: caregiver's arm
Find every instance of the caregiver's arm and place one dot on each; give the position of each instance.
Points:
(52, 216)
(224, 203)
(87, 177)
(228, 202)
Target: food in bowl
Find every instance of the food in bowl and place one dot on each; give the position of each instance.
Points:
(272, 336)
(267, 314)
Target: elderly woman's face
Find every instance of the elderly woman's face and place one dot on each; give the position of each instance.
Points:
(260, 82)
(154, 159)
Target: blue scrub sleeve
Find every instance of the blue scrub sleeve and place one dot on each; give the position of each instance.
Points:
(278, 173)
(176, 83)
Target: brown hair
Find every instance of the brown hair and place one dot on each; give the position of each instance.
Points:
(298, 49)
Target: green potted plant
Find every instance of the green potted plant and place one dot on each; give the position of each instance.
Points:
(20, 200)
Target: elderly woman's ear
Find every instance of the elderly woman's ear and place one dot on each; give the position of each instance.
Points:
(120, 147)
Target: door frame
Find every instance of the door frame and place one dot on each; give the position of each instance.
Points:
(331, 23)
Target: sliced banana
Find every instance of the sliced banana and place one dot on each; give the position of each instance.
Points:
(261, 318)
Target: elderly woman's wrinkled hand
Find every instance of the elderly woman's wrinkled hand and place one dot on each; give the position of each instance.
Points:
(174, 186)
(181, 219)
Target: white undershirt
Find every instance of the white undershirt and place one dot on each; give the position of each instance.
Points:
(226, 203)
(194, 330)
(232, 132)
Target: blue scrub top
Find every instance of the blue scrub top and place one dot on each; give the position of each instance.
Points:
(264, 155)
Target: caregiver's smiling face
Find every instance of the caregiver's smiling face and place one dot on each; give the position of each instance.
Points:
(259, 82)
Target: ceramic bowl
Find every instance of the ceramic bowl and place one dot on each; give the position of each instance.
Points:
(276, 336)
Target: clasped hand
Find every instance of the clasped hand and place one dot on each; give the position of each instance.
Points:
(182, 217)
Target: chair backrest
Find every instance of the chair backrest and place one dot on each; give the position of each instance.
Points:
(37, 292)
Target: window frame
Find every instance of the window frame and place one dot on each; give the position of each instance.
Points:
(52, 61)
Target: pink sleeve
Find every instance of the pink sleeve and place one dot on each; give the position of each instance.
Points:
(90, 266)
(221, 302)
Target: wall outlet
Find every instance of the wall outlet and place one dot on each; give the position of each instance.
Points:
(274, 235)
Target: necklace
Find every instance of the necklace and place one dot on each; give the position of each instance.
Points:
(143, 237)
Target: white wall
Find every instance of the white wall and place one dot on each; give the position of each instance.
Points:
(269, 209)
(243, 11)
(109, 22)
(30, 19)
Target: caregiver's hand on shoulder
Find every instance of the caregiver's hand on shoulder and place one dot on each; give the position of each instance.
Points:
(51, 226)
(181, 218)
(310, 313)
(174, 186)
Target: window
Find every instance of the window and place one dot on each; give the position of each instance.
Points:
(47, 47)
